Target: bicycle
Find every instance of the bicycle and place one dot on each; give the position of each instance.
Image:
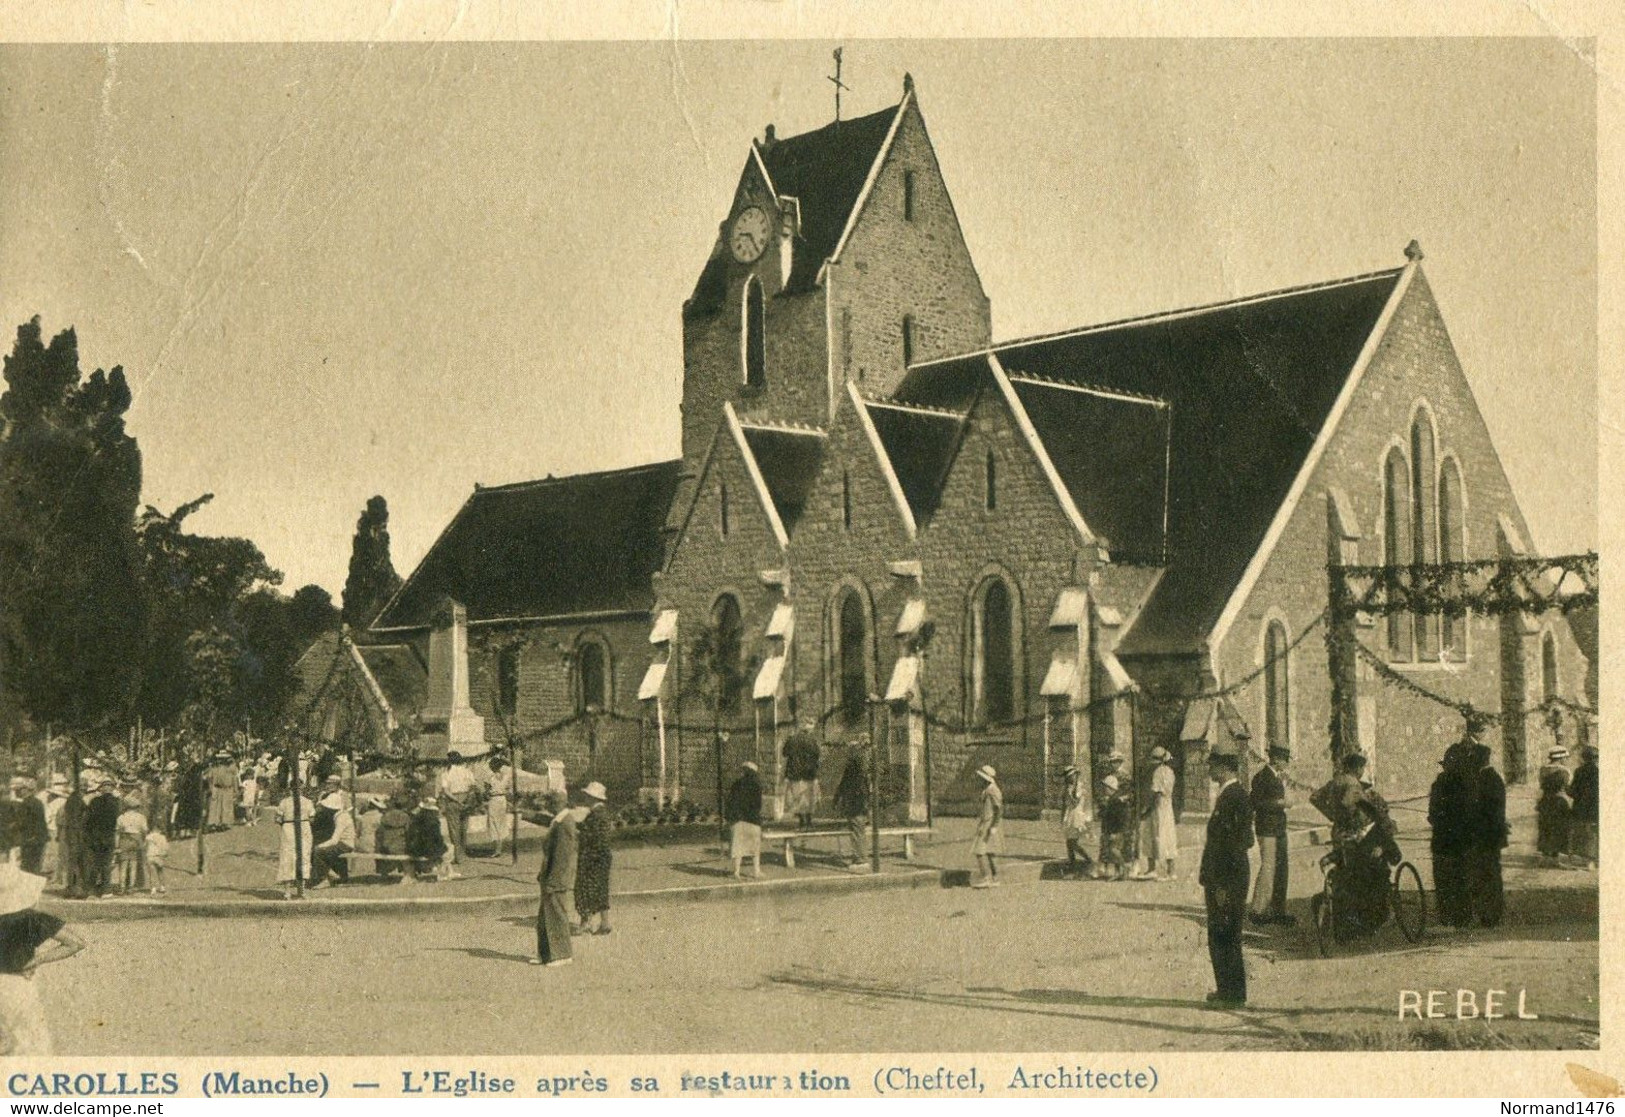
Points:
(1406, 904)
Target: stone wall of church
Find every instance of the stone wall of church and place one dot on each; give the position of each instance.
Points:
(892, 266)
(704, 565)
(1026, 539)
(606, 747)
(1414, 363)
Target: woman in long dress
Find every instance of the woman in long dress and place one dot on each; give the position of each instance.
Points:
(989, 841)
(287, 871)
(592, 863)
(1163, 829)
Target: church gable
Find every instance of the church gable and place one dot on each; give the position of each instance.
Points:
(730, 525)
(853, 511)
(901, 283)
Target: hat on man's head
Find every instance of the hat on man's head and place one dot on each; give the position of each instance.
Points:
(750, 766)
(1352, 761)
(595, 790)
(19, 783)
(172, 766)
(335, 781)
(1070, 770)
(1160, 754)
(1109, 783)
(987, 773)
(1557, 754)
(59, 782)
(1281, 748)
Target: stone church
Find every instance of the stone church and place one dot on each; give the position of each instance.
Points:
(1028, 553)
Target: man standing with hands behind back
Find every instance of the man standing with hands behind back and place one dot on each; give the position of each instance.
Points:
(1224, 876)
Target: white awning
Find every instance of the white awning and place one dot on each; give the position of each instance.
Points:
(665, 629)
(1198, 720)
(1060, 679)
(767, 679)
(653, 679)
(913, 616)
(1121, 680)
(903, 677)
(1071, 608)
(783, 622)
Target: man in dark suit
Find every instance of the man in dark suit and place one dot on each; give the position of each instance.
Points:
(1487, 836)
(1224, 876)
(1268, 797)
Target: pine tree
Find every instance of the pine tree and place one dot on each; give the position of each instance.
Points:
(72, 608)
(372, 580)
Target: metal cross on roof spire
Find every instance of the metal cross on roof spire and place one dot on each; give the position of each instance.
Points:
(838, 85)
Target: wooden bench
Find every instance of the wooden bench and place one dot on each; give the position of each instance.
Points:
(379, 860)
(787, 839)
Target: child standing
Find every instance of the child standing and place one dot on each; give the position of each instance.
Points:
(1114, 825)
(157, 858)
(132, 845)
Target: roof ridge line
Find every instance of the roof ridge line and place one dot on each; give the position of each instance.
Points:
(917, 408)
(1084, 386)
(782, 426)
(509, 486)
(1164, 315)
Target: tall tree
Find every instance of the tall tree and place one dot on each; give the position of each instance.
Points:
(72, 610)
(197, 585)
(372, 580)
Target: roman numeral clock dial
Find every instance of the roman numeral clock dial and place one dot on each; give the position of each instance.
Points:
(748, 237)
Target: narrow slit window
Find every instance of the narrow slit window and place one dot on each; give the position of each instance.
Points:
(846, 500)
(992, 482)
(908, 195)
(908, 339)
(722, 509)
(755, 340)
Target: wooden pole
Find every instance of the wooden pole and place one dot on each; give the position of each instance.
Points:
(513, 799)
(203, 823)
(298, 826)
(874, 789)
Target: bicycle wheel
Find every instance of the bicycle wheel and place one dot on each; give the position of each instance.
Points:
(1410, 902)
(1325, 924)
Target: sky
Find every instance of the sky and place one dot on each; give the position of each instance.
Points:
(338, 270)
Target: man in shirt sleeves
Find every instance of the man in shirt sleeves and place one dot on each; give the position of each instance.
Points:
(1224, 876)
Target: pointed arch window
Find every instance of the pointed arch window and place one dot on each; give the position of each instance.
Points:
(592, 676)
(1424, 523)
(755, 335)
(508, 681)
(725, 656)
(1277, 688)
(993, 654)
(1452, 548)
(1396, 540)
(851, 647)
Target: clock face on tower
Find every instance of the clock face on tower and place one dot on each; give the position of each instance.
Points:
(748, 237)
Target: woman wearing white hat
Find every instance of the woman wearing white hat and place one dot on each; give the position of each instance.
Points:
(1159, 825)
(989, 841)
(24, 935)
(592, 862)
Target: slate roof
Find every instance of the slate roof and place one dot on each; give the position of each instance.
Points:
(824, 170)
(582, 544)
(921, 446)
(1091, 434)
(1249, 383)
(789, 461)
